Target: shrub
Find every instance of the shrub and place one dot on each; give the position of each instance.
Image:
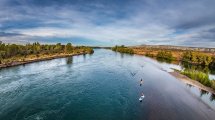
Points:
(166, 55)
(213, 84)
(197, 58)
(148, 54)
(199, 76)
(123, 49)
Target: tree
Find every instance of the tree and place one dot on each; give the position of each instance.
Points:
(194, 57)
(186, 57)
(212, 64)
(165, 55)
(13, 52)
(58, 47)
(207, 60)
(69, 48)
(123, 49)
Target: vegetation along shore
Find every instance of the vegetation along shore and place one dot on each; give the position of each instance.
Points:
(123, 49)
(191, 55)
(204, 57)
(13, 54)
(201, 83)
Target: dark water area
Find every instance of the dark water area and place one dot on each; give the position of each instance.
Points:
(102, 86)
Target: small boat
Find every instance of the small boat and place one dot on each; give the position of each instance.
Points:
(141, 98)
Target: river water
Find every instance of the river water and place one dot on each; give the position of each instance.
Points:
(102, 86)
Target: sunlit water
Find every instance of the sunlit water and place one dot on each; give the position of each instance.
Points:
(104, 86)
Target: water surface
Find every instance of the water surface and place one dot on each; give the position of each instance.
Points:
(104, 86)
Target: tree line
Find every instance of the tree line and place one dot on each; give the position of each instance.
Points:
(123, 49)
(198, 58)
(191, 57)
(13, 50)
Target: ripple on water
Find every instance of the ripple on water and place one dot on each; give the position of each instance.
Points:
(43, 115)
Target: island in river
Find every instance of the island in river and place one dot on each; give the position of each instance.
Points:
(13, 54)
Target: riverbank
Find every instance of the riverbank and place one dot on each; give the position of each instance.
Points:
(176, 53)
(38, 59)
(192, 82)
(14, 54)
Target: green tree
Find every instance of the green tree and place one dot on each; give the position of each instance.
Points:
(123, 49)
(166, 55)
(194, 57)
(207, 60)
(58, 47)
(69, 48)
(13, 52)
(186, 57)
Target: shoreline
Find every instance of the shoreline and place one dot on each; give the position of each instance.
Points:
(16, 63)
(192, 82)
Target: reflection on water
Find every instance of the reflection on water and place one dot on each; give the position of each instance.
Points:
(189, 85)
(212, 97)
(202, 92)
(207, 97)
(69, 60)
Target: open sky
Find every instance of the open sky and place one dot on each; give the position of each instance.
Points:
(109, 22)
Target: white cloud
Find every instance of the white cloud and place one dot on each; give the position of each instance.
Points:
(149, 22)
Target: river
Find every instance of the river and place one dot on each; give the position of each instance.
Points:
(102, 86)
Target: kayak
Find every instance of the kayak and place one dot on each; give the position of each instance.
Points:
(141, 98)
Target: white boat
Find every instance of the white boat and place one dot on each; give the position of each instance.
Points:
(141, 98)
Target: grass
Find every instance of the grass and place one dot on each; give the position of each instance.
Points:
(202, 77)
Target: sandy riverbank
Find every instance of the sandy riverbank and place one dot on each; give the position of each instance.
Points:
(189, 81)
(15, 63)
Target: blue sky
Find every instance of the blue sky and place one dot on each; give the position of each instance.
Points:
(109, 22)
